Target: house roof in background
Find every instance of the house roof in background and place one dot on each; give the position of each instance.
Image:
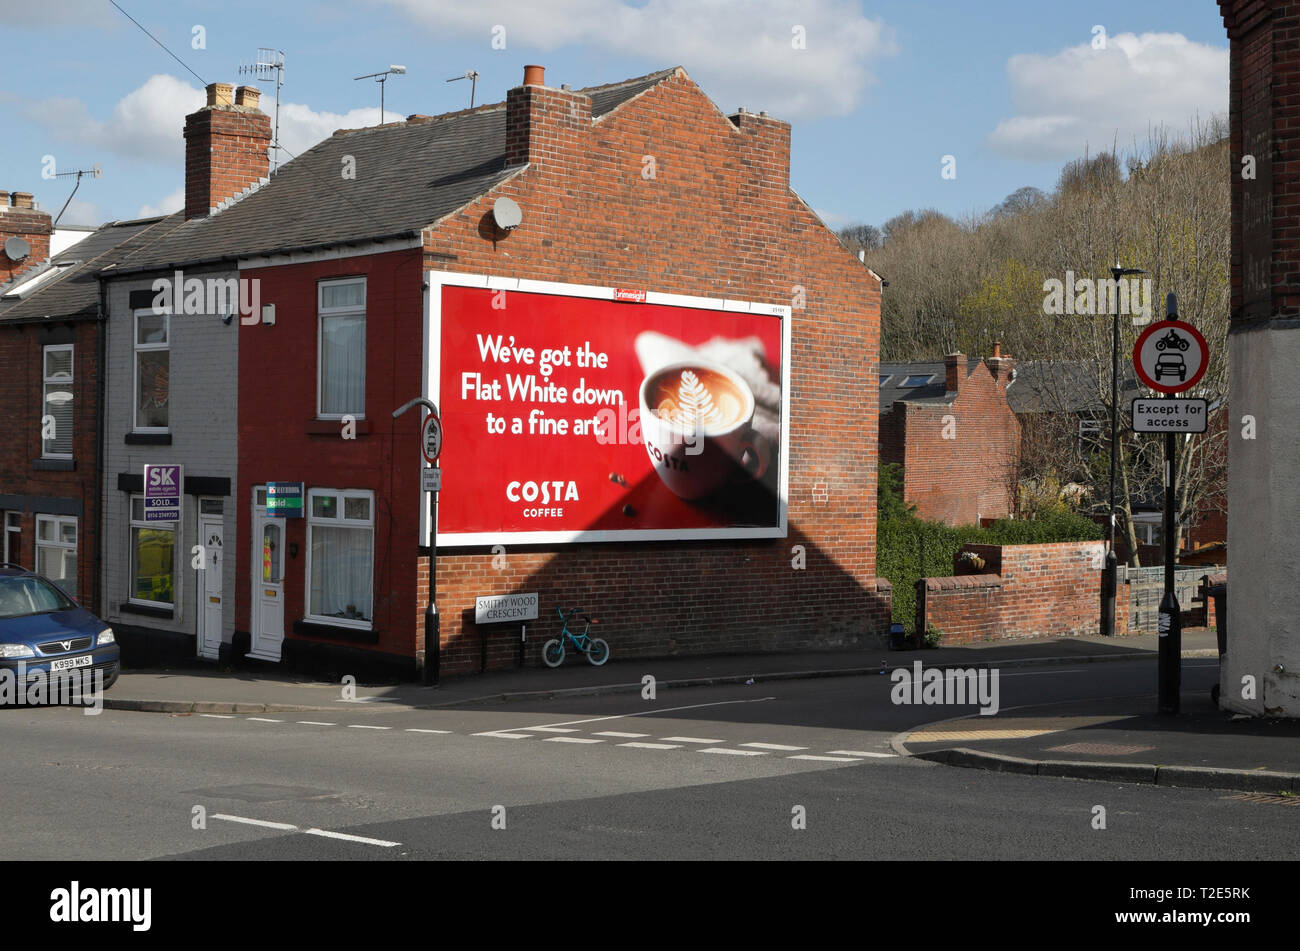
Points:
(408, 176)
(896, 375)
(1045, 386)
(74, 294)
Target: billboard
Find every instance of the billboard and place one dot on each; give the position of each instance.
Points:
(580, 413)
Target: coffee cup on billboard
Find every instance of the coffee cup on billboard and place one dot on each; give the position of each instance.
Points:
(696, 420)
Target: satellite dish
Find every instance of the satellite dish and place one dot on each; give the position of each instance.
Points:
(506, 214)
(17, 249)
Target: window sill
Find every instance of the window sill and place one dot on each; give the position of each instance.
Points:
(148, 439)
(334, 427)
(336, 632)
(54, 465)
(129, 607)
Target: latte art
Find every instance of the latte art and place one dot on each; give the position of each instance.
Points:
(696, 398)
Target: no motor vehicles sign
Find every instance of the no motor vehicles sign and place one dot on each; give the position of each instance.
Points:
(1171, 356)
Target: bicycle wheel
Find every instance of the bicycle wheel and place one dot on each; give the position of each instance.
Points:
(598, 653)
(553, 653)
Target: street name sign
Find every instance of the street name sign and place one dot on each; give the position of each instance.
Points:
(495, 609)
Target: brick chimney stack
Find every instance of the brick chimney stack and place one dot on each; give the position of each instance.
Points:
(1001, 367)
(226, 146)
(542, 124)
(20, 218)
(769, 144)
(955, 365)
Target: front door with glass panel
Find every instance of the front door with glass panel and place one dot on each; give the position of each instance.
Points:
(268, 581)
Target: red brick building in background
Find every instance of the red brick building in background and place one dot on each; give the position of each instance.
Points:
(951, 429)
(643, 184)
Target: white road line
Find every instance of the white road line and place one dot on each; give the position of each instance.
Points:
(315, 723)
(863, 753)
(826, 759)
(552, 729)
(689, 739)
(653, 746)
(418, 730)
(774, 746)
(367, 726)
(651, 713)
(723, 749)
(571, 739)
(351, 838)
(629, 736)
(264, 720)
(256, 822)
(218, 716)
(508, 736)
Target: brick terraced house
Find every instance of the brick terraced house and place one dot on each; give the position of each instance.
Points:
(951, 429)
(647, 350)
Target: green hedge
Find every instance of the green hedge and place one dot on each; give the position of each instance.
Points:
(909, 548)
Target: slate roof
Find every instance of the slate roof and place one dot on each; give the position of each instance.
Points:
(935, 392)
(75, 294)
(408, 176)
(1045, 386)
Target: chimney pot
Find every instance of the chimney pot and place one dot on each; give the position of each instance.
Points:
(534, 75)
(219, 94)
(22, 199)
(247, 96)
(997, 349)
(4, 199)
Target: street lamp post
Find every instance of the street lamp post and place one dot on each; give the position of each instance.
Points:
(432, 620)
(1109, 576)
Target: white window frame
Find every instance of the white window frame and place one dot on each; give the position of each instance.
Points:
(1088, 426)
(58, 521)
(349, 311)
(132, 524)
(47, 382)
(340, 522)
(13, 524)
(137, 349)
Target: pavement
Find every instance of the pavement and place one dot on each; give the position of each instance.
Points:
(1115, 739)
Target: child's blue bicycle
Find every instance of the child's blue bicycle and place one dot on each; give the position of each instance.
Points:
(596, 649)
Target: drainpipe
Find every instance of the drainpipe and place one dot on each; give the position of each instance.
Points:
(101, 332)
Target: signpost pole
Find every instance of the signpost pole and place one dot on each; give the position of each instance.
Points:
(1170, 623)
(430, 431)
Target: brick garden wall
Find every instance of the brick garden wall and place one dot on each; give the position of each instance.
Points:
(1025, 591)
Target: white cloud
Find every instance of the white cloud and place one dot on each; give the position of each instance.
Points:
(740, 51)
(169, 203)
(81, 212)
(1085, 97)
(147, 124)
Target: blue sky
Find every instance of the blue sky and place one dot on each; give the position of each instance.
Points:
(878, 95)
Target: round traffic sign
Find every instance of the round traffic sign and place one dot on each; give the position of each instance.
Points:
(431, 439)
(1171, 356)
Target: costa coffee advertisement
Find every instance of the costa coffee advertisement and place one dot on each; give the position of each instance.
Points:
(577, 413)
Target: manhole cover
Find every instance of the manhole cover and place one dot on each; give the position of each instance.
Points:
(1100, 749)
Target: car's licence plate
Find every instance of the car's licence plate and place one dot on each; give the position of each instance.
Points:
(71, 663)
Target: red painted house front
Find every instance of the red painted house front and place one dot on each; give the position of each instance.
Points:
(282, 439)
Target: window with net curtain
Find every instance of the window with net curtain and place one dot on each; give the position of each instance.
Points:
(56, 440)
(340, 550)
(342, 374)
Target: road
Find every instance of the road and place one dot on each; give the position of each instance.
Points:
(698, 773)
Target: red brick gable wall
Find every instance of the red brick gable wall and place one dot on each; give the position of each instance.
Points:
(714, 217)
(970, 476)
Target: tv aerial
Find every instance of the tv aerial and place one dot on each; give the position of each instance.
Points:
(95, 171)
(472, 76)
(269, 65)
(382, 79)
